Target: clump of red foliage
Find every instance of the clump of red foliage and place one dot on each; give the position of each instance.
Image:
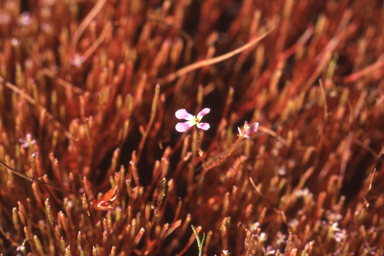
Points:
(80, 77)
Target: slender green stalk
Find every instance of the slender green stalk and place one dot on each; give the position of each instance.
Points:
(199, 243)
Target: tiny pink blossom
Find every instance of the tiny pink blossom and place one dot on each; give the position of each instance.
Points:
(248, 130)
(28, 141)
(77, 60)
(20, 248)
(191, 120)
(25, 19)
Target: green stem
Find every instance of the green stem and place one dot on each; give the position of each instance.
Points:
(199, 243)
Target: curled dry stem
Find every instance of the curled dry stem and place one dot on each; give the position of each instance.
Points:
(37, 180)
(171, 77)
(83, 25)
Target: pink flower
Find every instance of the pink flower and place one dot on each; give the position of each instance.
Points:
(77, 60)
(25, 19)
(191, 120)
(28, 141)
(248, 130)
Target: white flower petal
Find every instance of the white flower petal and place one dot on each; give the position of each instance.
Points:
(202, 113)
(203, 126)
(183, 114)
(182, 127)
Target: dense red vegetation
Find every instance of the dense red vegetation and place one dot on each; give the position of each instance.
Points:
(96, 85)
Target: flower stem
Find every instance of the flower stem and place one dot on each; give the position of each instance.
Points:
(200, 151)
(151, 120)
(199, 243)
(222, 158)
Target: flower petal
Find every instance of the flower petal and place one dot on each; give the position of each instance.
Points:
(240, 134)
(203, 112)
(203, 126)
(246, 126)
(254, 127)
(191, 123)
(183, 114)
(182, 127)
